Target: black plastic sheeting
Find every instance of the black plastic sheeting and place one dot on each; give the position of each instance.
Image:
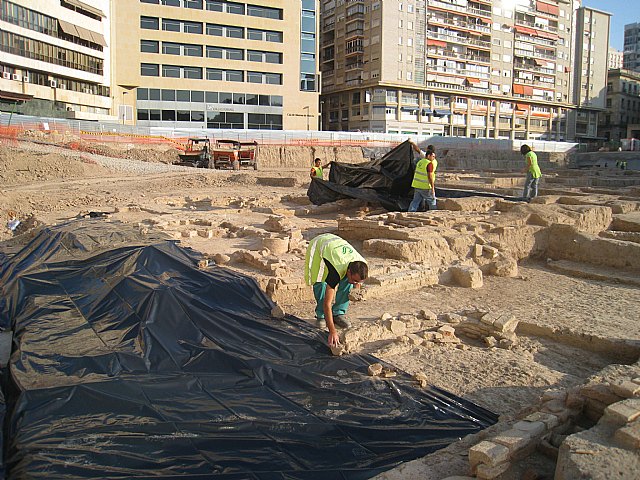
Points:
(133, 363)
(385, 181)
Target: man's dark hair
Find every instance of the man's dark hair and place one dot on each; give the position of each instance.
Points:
(524, 149)
(317, 160)
(359, 268)
(431, 148)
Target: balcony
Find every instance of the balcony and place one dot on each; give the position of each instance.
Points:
(354, 66)
(534, 68)
(456, 23)
(528, 54)
(457, 8)
(457, 71)
(359, 49)
(458, 39)
(537, 26)
(461, 56)
(358, 32)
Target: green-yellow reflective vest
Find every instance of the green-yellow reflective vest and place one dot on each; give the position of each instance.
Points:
(534, 169)
(421, 176)
(337, 251)
(319, 172)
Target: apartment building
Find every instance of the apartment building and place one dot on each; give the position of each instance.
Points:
(54, 58)
(216, 63)
(622, 104)
(590, 79)
(631, 52)
(473, 68)
(615, 59)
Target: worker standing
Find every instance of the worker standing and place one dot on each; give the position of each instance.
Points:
(333, 267)
(533, 173)
(317, 170)
(424, 180)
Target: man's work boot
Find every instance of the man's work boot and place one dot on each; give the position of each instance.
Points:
(320, 323)
(341, 321)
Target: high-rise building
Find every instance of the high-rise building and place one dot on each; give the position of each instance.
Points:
(615, 59)
(474, 68)
(55, 58)
(216, 63)
(590, 79)
(631, 51)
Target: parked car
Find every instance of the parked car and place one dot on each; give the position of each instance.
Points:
(233, 154)
(196, 154)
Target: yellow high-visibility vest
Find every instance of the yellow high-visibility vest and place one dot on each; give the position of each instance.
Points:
(337, 251)
(421, 175)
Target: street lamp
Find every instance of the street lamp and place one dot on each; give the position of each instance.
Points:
(306, 107)
(124, 108)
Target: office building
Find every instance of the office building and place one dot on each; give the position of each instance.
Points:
(216, 63)
(473, 68)
(631, 58)
(55, 58)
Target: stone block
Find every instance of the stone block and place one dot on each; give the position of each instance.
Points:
(428, 314)
(205, 233)
(489, 252)
(485, 472)
(505, 323)
(468, 277)
(490, 341)
(534, 429)
(550, 420)
(487, 453)
(600, 392)
(477, 250)
(626, 389)
(629, 436)
(189, 233)
(396, 326)
(560, 395)
(422, 379)
(621, 413)
(447, 331)
(374, 369)
(514, 440)
(415, 339)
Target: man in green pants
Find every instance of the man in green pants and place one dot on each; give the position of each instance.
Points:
(333, 267)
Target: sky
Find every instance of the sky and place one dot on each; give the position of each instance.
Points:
(624, 12)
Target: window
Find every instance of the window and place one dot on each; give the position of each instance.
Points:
(183, 96)
(307, 82)
(150, 23)
(235, 32)
(183, 116)
(171, 71)
(214, 52)
(149, 69)
(192, 50)
(197, 96)
(170, 25)
(265, 12)
(265, 35)
(197, 4)
(192, 72)
(142, 93)
(168, 95)
(169, 48)
(193, 27)
(149, 46)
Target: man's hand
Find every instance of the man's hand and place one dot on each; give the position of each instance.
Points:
(334, 339)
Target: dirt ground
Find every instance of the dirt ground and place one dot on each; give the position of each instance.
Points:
(556, 311)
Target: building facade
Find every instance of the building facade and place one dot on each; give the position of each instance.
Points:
(631, 59)
(622, 104)
(216, 63)
(474, 68)
(615, 59)
(55, 58)
(590, 79)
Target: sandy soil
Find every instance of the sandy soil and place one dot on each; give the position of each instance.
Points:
(55, 184)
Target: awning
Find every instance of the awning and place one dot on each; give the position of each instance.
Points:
(436, 43)
(441, 112)
(518, 89)
(84, 6)
(547, 8)
(525, 30)
(81, 32)
(14, 96)
(522, 106)
(549, 35)
(426, 111)
(528, 91)
(473, 80)
(539, 63)
(68, 28)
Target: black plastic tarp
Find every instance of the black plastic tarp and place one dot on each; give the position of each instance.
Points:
(134, 363)
(385, 181)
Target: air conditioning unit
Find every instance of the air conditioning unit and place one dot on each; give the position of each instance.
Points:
(6, 75)
(53, 83)
(62, 86)
(17, 76)
(25, 78)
